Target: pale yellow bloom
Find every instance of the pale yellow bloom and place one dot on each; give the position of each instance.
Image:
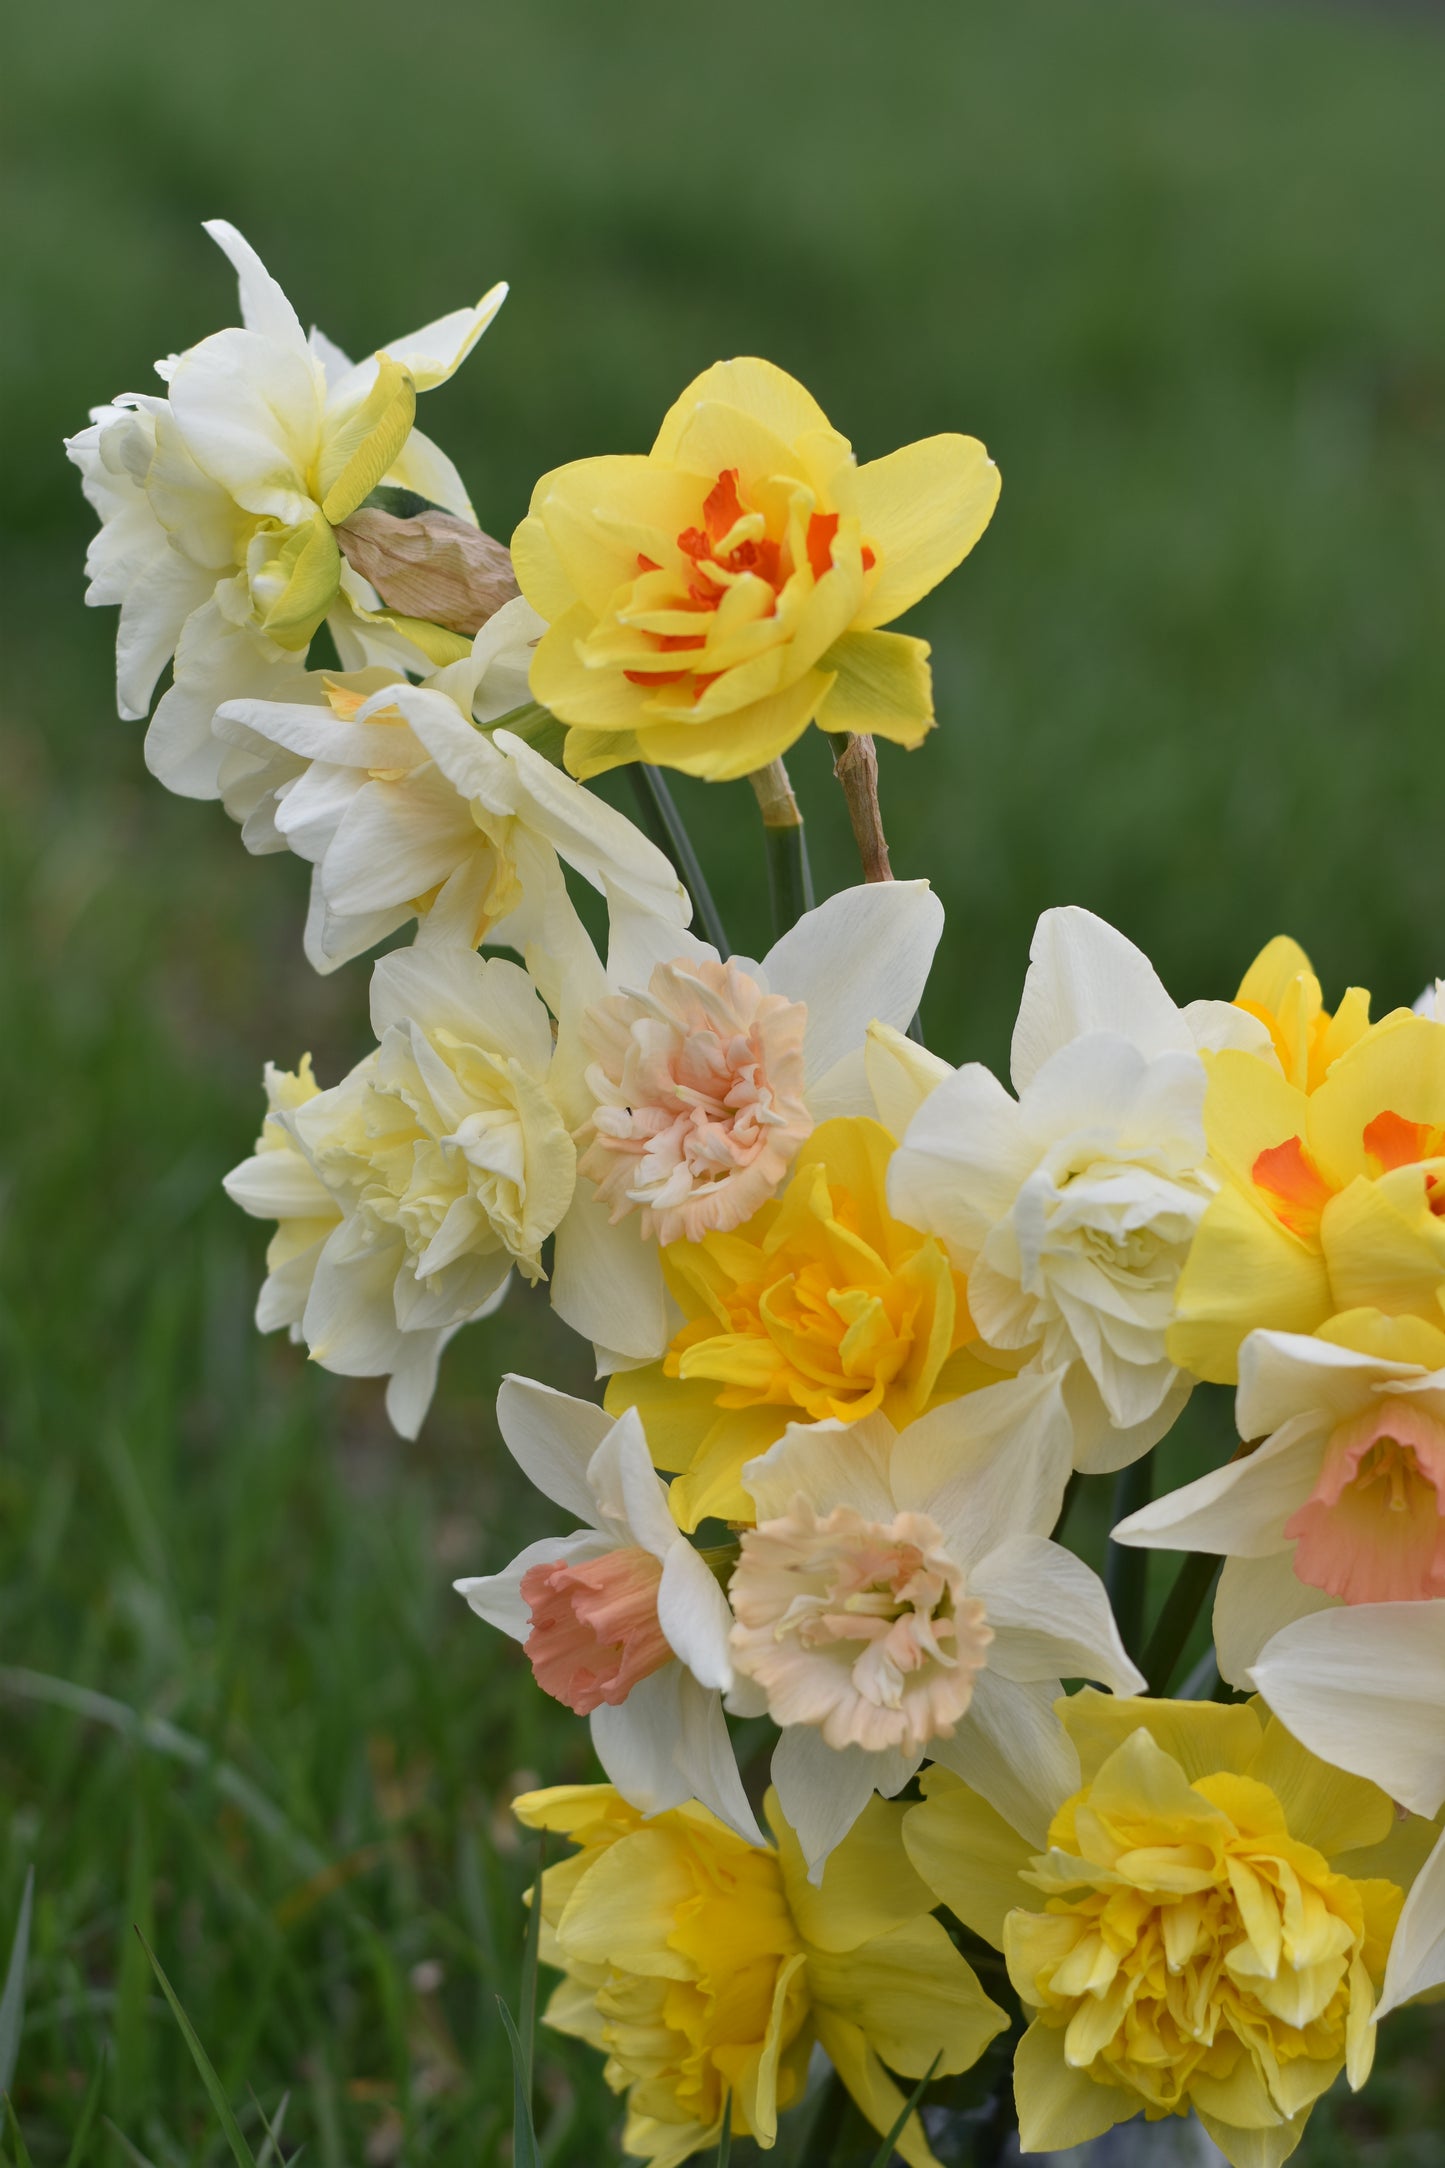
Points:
(705, 1967)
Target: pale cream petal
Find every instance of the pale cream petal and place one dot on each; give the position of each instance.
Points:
(1255, 1598)
(863, 954)
(1365, 1685)
(1084, 976)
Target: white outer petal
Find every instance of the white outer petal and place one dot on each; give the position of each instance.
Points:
(992, 1464)
(1281, 1374)
(1239, 1509)
(497, 1597)
(693, 1613)
(552, 1438)
(668, 1743)
(1051, 1617)
(1015, 1753)
(863, 955)
(958, 1169)
(1085, 976)
(607, 1281)
(1256, 1598)
(1363, 1686)
(264, 306)
(1417, 1953)
(822, 1790)
(830, 1464)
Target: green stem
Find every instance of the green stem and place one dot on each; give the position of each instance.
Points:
(790, 880)
(665, 825)
(1175, 1623)
(1126, 1569)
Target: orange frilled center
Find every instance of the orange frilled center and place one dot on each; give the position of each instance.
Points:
(732, 548)
(1297, 1191)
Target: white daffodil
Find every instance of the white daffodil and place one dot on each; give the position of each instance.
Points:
(1364, 1688)
(623, 1622)
(1072, 1207)
(406, 809)
(689, 1083)
(445, 1158)
(899, 1597)
(219, 501)
(1344, 1501)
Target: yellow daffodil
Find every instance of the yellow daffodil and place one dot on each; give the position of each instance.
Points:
(1206, 1927)
(1281, 989)
(707, 1968)
(822, 1306)
(711, 598)
(1332, 1199)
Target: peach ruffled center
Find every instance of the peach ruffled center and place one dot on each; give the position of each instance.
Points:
(1373, 1531)
(595, 1629)
(862, 1628)
(699, 1090)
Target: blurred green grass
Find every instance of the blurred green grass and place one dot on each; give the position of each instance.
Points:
(1178, 265)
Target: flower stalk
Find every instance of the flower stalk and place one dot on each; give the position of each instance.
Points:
(855, 763)
(790, 879)
(1175, 1623)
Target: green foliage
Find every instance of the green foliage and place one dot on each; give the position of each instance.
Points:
(1176, 266)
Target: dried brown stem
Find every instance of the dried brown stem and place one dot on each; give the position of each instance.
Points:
(855, 763)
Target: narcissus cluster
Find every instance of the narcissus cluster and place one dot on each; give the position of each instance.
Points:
(893, 1781)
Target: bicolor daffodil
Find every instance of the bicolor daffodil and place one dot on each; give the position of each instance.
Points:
(623, 1622)
(1366, 1688)
(219, 503)
(1331, 1198)
(444, 1158)
(1071, 1208)
(1344, 1498)
(691, 1083)
(707, 1969)
(712, 597)
(1202, 1922)
(899, 1597)
(406, 809)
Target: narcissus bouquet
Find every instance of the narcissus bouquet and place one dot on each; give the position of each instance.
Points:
(895, 1789)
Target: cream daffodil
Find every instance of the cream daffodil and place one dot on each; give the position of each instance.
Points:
(1072, 1207)
(407, 809)
(711, 598)
(1365, 1688)
(624, 1621)
(708, 1970)
(219, 503)
(1203, 1923)
(1344, 1498)
(690, 1084)
(443, 1155)
(899, 1597)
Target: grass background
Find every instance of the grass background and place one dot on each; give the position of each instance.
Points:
(1178, 264)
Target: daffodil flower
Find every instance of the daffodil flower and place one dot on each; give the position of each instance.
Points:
(712, 597)
(219, 503)
(624, 1621)
(899, 1597)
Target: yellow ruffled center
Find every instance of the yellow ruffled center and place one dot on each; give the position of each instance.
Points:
(1193, 1951)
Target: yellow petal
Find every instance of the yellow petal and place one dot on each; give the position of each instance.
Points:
(757, 388)
(367, 444)
(848, 2051)
(1243, 1270)
(1393, 1339)
(923, 507)
(1323, 1806)
(1254, 2148)
(311, 563)
(969, 1856)
(912, 1996)
(1384, 1247)
(736, 744)
(1059, 2106)
(882, 687)
(1270, 977)
(1202, 1736)
(869, 1886)
(1398, 1066)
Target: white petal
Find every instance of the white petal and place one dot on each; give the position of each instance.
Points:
(1255, 1598)
(1364, 1687)
(607, 1281)
(438, 350)
(668, 1743)
(497, 1597)
(413, 1380)
(1417, 1952)
(1051, 1617)
(484, 1001)
(638, 941)
(822, 1790)
(249, 412)
(1215, 1025)
(1240, 1508)
(552, 1438)
(901, 1074)
(1015, 1753)
(960, 1164)
(831, 1464)
(264, 306)
(864, 954)
(1282, 1374)
(693, 1613)
(631, 1496)
(989, 1465)
(279, 1185)
(1084, 976)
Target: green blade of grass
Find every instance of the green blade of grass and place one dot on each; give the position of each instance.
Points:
(132, 2153)
(525, 2153)
(76, 2155)
(12, 2002)
(240, 2152)
(725, 2135)
(530, 1949)
(22, 2156)
(885, 2151)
